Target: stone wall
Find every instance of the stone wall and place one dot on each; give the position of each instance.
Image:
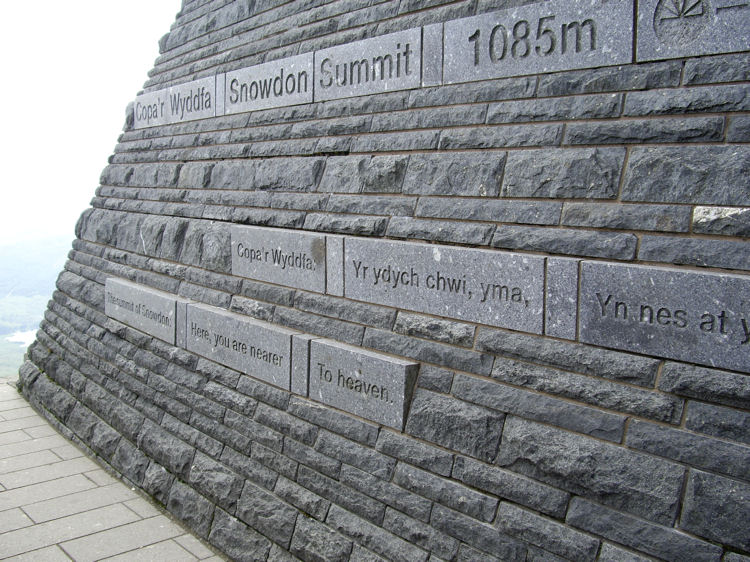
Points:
(575, 388)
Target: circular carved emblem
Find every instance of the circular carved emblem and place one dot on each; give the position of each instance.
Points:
(681, 21)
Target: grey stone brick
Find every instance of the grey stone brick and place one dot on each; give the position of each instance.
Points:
(255, 431)
(522, 212)
(612, 553)
(587, 243)
(691, 449)
(373, 537)
(371, 205)
(232, 175)
(267, 514)
(718, 421)
(276, 462)
(343, 424)
(468, 554)
(248, 467)
(642, 131)
(190, 435)
(454, 424)
(583, 359)
(310, 457)
(230, 398)
(490, 90)
(434, 378)
(268, 293)
(362, 313)
(430, 118)
(591, 173)
(215, 481)
(431, 352)
(391, 495)
(315, 542)
(341, 495)
(130, 462)
(660, 218)
(713, 99)
(301, 498)
(734, 557)
(611, 79)
(557, 109)
(501, 136)
(711, 385)
(637, 483)
(354, 454)
(693, 251)
(263, 392)
(511, 486)
(477, 534)
(533, 406)
(446, 331)
(237, 539)
(319, 325)
(613, 396)
(373, 174)
(447, 492)
(250, 307)
(361, 554)
(420, 534)
(166, 449)
(727, 221)
(722, 68)
(157, 482)
(195, 175)
(441, 231)
(454, 174)
(664, 542)
(710, 175)
(415, 452)
(286, 424)
(386, 142)
(191, 508)
(739, 129)
(546, 533)
(345, 224)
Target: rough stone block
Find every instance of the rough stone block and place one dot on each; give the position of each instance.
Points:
(364, 383)
(237, 539)
(496, 288)
(718, 421)
(190, 507)
(698, 317)
(266, 513)
(727, 221)
(454, 174)
(256, 348)
(315, 541)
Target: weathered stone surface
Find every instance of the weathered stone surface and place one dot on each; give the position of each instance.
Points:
(192, 508)
(713, 99)
(578, 107)
(143, 308)
(166, 449)
(496, 288)
(712, 70)
(561, 304)
(217, 482)
(591, 173)
(612, 553)
(415, 452)
(671, 313)
(284, 257)
(237, 539)
(586, 243)
(637, 483)
(728, 221)
(727, 254)
(495, 45)
(455, 425)
(368, 384)
(374, 174)
(642, 131)
(267, 513)
(661, 541)
(420, 534)
(718, 421)
(436, 329)
(661, 218)
(315, 542)
(454, 174)
(709, 175)
(522, 212)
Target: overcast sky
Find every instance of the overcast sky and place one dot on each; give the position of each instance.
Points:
(70, 69)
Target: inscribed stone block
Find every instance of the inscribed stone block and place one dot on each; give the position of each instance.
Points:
(142, 308)
(183, 102)
(381, 64)
(286, 257)
(277, 83)
(486, 286)
(371, 385)
(250, 346)
(670, 29)
(538, 38)
(697, 317)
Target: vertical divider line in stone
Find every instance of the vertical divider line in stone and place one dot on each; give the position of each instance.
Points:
(544, 296)
(315, 77)
(635, 32)
(578, 300)
(221, 94)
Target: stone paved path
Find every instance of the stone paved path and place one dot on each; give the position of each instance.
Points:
(58, 504)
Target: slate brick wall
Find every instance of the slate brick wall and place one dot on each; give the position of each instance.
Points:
(516, 447)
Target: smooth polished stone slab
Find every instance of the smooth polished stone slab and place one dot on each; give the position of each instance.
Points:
(371, 385)
(485, 286)
(145, 309)
(277, 83)
(301, 363)
(184, 102)
(335, 265)
(538, 38)
(286, 257)
(561, 310)
(250, 346)
(371, 66)
(681, 28)
(686, 315)
(432, 55)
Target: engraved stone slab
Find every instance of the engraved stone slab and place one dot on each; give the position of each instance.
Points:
(142, 308)
(184, 102)
(371, 385)
(542, 37)
(486, 286)
(277, 83)
(371, 66)
(562, 304)
(677, 28)
(287, 257)
(685, 315)
(250, 346)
